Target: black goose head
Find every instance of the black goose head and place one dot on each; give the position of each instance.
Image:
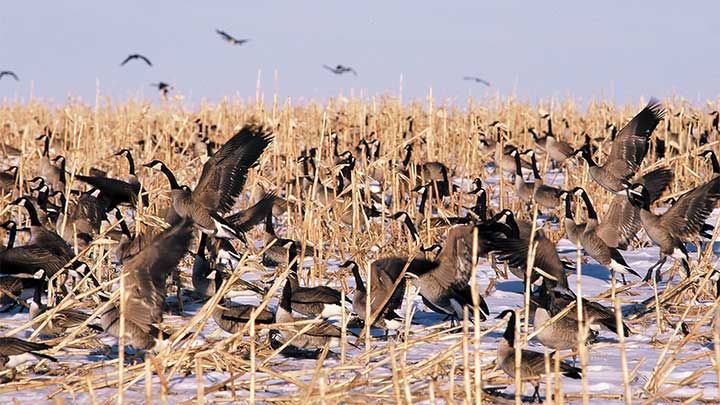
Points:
(584, 152)
(40, 182)
(405, 218)
(12, 170)
(168, 173)
(710, 154)
(355, 270)
(534, 134)
(435, 249)
(639, 196)
(508, 224)
(509, 334)
(477, 182)
(46, 144)
(128, 155)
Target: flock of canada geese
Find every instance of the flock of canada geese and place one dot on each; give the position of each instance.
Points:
(204, 221)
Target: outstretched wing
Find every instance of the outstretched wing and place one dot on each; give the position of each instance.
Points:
(224, 174)
(689, 213)
(225, 35)
(631, 143)
(145, 59)
(147, 271)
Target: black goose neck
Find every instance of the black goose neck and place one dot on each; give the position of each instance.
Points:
(408, 155)
(509, 334)
(269, 225)
(536, 171)
(518, 165)
(32, 212)
(12, 231)
(124, 226)
(359, 284)
(480, 208)
(170, 176)
(715, 163)
(587, 156)
(286, 299)
(568, 208)
(131, 163)
(589, 206)
(46, 146)
(201, 244)
(411, 228)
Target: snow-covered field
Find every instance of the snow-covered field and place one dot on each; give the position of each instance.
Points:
(663, 364)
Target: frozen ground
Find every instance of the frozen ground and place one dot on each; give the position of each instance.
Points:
(693, 372)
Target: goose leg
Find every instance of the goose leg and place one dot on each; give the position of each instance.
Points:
(657, 265)
(536, 393)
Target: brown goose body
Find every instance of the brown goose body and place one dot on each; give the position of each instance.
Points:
(145, 278)
(628, 149)
(232, 317)
(15, 352)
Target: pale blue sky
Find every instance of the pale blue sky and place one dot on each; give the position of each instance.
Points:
(537, 49)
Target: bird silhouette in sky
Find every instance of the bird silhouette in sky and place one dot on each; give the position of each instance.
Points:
(136, 56)
(477, 80)
(163, 87)
(9, 73)
(340, 69)
(231, 39)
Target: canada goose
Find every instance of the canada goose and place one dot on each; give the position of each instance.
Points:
(562, 334)
(15, 352)
(479, 209)
(573, 231)
(220, 183)
(532, 364)
(320, 334)
(116, 191)
(205, 279)
(381, 291)
(84, 218)
(46, 168)
(42, 237)
(513, 247)
(130, 244)
(437, 174)
(311, 301)
(136, 56)
(61, 320)
(8, 178)
(597, 316)
(628, 149)
(145, 277)
(340, 69)
(444, 284)
(277, 254)
(544, 195)
(621, 222)
(9, 73)
(232, 317)
(557, 150)
(682, 221)
(596, 247)
(523, 190)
